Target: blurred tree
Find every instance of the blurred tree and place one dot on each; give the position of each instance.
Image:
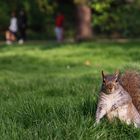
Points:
(116, 18)
(84, 28)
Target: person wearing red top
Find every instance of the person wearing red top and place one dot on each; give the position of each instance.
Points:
(59, 27)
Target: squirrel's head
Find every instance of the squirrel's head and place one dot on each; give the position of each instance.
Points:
(110, 82)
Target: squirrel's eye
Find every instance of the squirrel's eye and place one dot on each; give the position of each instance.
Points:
(103, 80)
(116, 80)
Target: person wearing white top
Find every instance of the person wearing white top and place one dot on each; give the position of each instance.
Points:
(13, 25)
(13, 28)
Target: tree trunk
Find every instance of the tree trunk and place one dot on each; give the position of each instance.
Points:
(84, 29)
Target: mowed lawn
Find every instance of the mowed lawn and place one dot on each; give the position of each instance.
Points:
(49, 91)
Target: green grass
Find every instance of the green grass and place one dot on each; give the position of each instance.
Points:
(47, 92)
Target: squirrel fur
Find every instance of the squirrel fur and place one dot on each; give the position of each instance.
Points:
(120, 97)
(130, 81)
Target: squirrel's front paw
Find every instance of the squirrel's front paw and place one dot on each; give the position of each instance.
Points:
(96, 123)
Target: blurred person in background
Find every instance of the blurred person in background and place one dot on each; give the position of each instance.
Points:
(11, 33)
(22, 26)
(59, 29)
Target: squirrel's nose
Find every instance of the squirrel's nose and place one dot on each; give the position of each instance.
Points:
(110, 87)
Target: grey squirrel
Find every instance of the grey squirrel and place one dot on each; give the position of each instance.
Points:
(120, 97)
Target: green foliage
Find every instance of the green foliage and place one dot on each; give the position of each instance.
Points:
(41, 16)
(37, 19)
(47, 6)
(49, 92)
(116, 16)
(4, 19)
(130, 21)
(109, 16)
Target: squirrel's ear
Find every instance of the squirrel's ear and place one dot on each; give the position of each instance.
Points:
(103, 74)
(117, 73)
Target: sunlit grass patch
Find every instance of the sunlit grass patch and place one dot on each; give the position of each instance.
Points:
(50, 90)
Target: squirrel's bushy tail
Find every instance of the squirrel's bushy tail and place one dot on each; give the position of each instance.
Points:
(130, 81)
